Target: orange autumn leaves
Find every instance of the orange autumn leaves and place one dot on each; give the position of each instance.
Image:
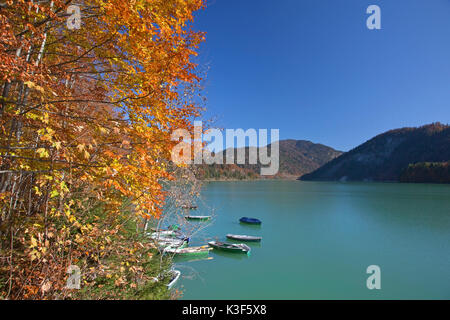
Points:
(85, 120)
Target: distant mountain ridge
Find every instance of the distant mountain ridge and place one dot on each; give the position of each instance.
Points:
(388, 156)
(297, 157)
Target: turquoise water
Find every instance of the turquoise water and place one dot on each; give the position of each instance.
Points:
(319, 238)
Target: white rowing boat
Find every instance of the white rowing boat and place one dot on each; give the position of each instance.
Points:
(244, 237)
(163, 234)
(198, 218)
(171, 242)
(188, 251)
(175, 275)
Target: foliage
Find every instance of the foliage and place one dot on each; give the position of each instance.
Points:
(85, 120)
(427, 172)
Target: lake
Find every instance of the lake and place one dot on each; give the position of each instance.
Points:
(320, 237)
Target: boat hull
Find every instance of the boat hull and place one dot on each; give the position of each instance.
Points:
(244, 238)
(172, 243)
(190, 251)
(250, 221)
(197, 218)
(175, 276)
(229, 247)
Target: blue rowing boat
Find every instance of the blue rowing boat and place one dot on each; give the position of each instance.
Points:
(250, 220)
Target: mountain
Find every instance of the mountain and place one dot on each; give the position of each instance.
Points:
(388, 156)
(297, 157)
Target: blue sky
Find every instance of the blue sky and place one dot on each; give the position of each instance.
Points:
(312, 69)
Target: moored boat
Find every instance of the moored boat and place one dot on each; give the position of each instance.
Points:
(171, 242)
(188, 251)
(163, 234)
(174, 276)
(250, 220)
(198, 218)
(167, 235)
(230, 247)
(244, 238)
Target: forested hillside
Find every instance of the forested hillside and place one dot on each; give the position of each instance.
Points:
(297, 157)
(388, 155)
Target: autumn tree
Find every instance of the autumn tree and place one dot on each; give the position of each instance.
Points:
(85, 117)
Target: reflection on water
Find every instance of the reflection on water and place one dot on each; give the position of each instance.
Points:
(252, 244)
(186, 258)
(251, 226)
(231, 255)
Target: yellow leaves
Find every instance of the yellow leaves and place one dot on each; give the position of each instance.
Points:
(37, 191)
(79, 239)
(30, 115)
(33, 242)
(57, 145)
(42, 152)
(103, 130)
(63, 186)
(34, 254)
(45, 119)
(32, 85)
(50, 131)
(54, 194)
(81, 147)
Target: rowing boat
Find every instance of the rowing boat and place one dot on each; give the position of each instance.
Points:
(250, 220)
(174, 276)
(244, 238)
(231, 247)
(163, 234)
(171, 242)
(188, 251)
(198, 218)
(168, 235)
